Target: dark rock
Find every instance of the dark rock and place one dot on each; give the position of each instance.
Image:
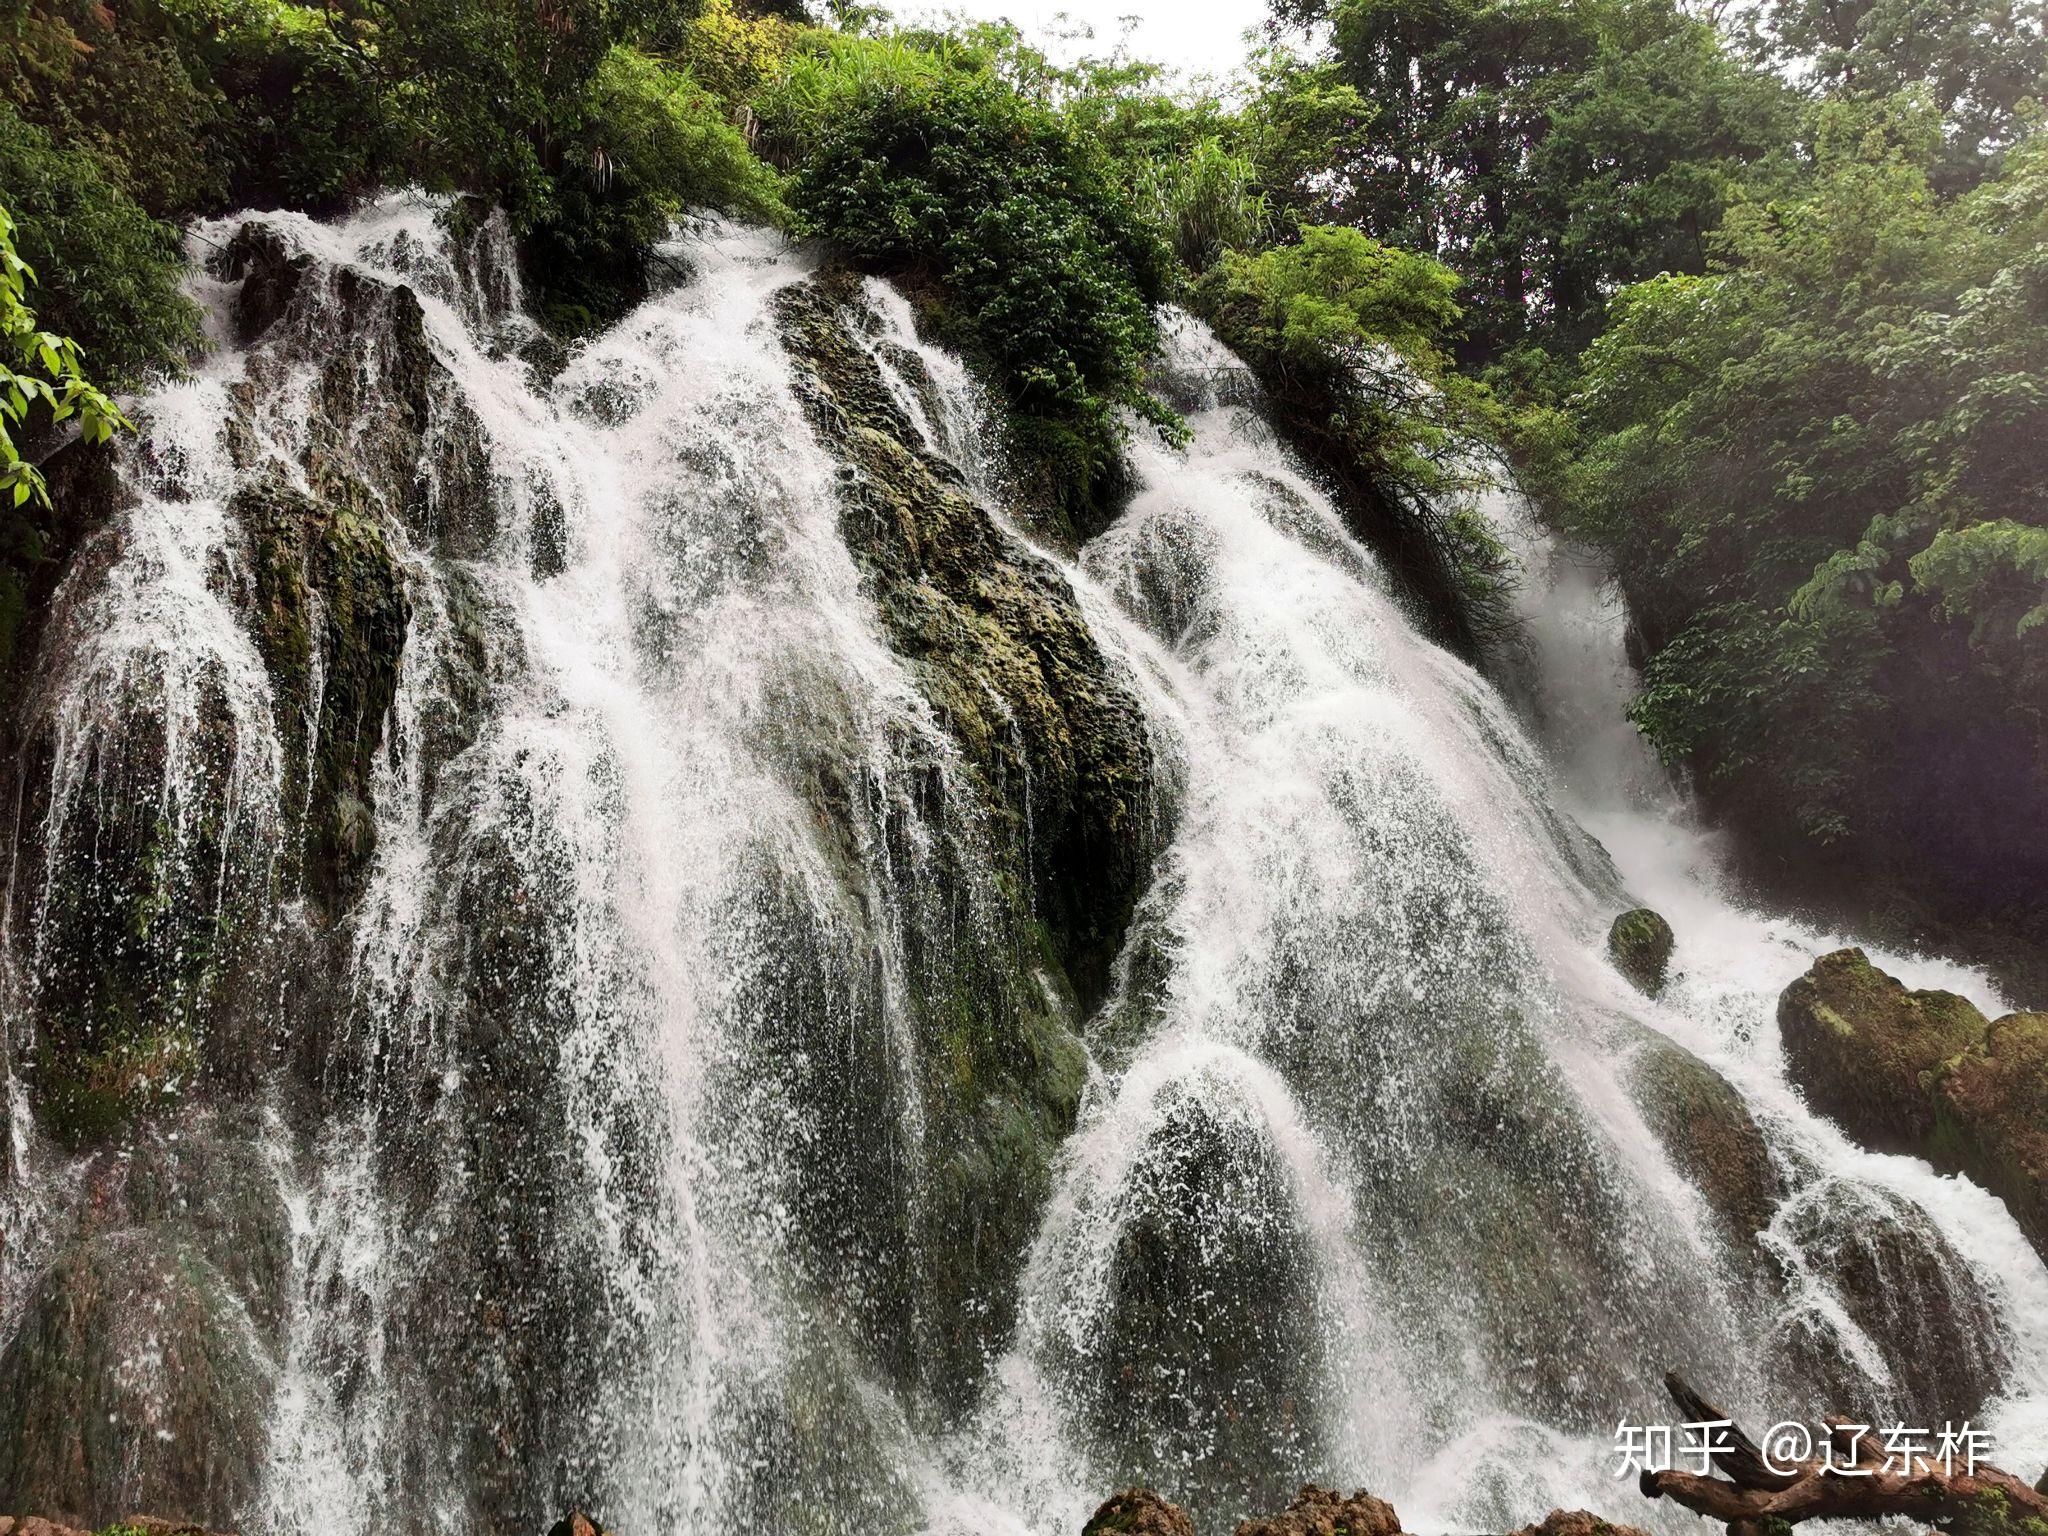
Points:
(1640, 945)
(270, 273)
(1863, 1048)
(141, 1371)
(1208, 1363)
(1916, 1300)
(576, 1523)
(330, 617)
(1138, 1512)
(1324, 1512)
(997, 641)
(1710, 1135)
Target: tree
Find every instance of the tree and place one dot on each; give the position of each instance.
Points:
(1547, 150)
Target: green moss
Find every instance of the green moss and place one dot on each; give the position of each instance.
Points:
(330, 617)
(1866, 1050)
(1640, 944)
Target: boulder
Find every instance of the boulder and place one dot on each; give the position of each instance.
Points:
(1864, 1049)
(1576, 1522)
(1910, 1294)
(1640, 945)
(1139, 1512)
(1323, 1512)
(140, 1372)
(1712, 1139)
(132, 1379)
(1925, 1074)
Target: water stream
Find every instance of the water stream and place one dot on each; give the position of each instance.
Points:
(617, 1142)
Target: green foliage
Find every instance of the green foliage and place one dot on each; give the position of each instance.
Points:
(1350, 337)
(1983, 64)
(656, 144)
(917, 161)
(1545, 149)
(1207, 201)
(42, 380)
(1816, 473)
(43, 385)
(109, 273)
(1337, 291)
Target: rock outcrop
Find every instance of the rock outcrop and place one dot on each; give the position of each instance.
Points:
(1710, 1135)
(1926, 1074)
(1640, 945)
(1313, 1512)
(141, 1372)
(132, 1525)
(1865, 1049)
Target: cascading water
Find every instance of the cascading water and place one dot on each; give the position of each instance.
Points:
(713, 979)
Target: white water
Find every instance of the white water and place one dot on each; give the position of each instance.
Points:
(612, 975)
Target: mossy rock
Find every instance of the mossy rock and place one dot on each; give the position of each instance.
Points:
(1707, 1130)
(330, 617)
(1912, 1296)
(997, 641)
(150, 933)
(134, 1380)
(1865, 1049)
(1640, 946)
(1991, 1118)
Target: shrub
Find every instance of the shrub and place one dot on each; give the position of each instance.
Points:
(110, 274)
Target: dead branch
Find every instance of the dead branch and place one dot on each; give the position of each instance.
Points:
(1855, 1482)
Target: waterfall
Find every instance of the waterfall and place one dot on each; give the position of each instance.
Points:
(634, 937)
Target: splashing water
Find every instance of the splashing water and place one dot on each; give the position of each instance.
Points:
(618, 1132)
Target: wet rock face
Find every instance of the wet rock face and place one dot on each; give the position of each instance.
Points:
(1916, 1305)
(1859, 1044)
(997, 641)
(1710, 1136)
(1640, 945)
(141, 1373)
(1208, 1364)
(330, 617)
(151, 922)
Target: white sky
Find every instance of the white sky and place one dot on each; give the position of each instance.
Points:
(1192, 36)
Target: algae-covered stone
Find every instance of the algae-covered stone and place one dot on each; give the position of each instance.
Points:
(330, 616)
(133, 1382)
(1640, 944)
(1991, 1118)
(1863, 1047)
(1710, 1135)
(996, 639)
